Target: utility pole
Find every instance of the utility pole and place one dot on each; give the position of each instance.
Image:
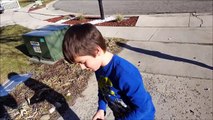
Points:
(101, 9)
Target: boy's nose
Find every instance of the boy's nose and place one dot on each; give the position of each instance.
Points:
(83, 66)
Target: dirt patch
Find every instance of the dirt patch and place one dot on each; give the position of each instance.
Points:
(55, 19)
(51, 87)
(126, 21)
(50, 91)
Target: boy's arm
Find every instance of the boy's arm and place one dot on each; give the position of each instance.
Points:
(101, 102)
(133, 87)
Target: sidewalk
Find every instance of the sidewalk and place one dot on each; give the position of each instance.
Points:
(174, 53)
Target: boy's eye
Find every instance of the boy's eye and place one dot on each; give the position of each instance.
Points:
(81, 63)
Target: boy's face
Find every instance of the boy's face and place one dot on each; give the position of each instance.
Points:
(88, 62)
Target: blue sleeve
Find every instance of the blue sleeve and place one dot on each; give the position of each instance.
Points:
(101, 102)
(131, 84)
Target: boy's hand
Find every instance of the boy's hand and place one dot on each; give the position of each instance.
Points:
(99, 115)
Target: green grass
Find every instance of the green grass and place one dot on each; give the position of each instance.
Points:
(24, 3)
(12, 57)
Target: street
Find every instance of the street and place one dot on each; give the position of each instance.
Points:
(135, 7)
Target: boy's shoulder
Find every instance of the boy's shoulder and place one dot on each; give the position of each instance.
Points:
(122, 64)
(121, 60)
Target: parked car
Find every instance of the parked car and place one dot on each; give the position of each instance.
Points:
(1, 9)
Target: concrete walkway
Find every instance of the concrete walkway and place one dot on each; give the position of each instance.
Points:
(174, 53)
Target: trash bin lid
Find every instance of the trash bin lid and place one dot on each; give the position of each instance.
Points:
(53, 27)
(12, 82)
(38, 33)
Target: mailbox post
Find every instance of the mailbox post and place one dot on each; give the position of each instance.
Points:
(101, 9)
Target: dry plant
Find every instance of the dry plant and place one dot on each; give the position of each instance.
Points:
(80, 16)
(119, 17)
(66, 17)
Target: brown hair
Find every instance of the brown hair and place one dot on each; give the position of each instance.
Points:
(80, 40)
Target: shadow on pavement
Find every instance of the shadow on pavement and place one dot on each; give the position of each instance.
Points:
(44, 92)
(163, 55)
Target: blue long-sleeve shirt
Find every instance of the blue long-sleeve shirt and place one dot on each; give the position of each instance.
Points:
(121, 87)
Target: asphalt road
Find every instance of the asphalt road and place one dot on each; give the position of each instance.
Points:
(135, 7)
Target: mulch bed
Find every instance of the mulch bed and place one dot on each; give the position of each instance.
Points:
(76, 21)
(126, 22)
(55, 19)
(131, 21)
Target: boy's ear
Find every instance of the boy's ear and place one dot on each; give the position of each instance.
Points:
(98, 51)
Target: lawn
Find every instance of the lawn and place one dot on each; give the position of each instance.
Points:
(12, 58)
(24, 3)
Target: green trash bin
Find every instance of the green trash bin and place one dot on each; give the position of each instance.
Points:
(46, 43)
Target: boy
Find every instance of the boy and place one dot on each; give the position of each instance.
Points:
(119, 82)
